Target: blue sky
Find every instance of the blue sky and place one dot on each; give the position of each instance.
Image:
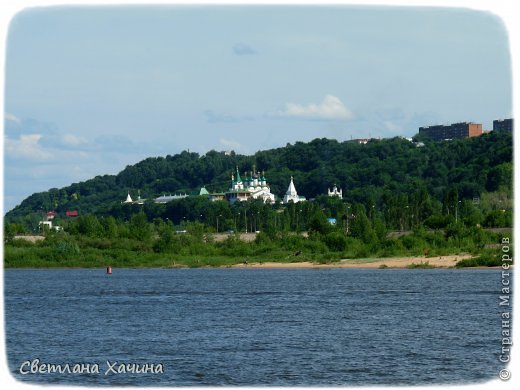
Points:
(89, 90)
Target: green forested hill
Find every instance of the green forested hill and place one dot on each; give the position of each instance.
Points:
(373, 174)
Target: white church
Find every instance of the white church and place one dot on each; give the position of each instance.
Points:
(129, 199)
(291, 196)
(335, 192)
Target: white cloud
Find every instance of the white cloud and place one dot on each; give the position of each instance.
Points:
(72, 140)
(11, 117)
(27, 146)
(330, 108)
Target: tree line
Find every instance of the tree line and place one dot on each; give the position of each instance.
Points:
(392, 180)
(298, 232)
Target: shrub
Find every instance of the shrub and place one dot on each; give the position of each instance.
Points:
(335, 241)
(65, 247)
(315, 246)
(437, 221)
(484, 260)
(412, 242)
(292, 242)
(262, 239)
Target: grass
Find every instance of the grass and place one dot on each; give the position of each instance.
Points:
(45, 257)
(66, 250)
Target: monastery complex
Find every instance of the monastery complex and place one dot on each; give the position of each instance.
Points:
(242, 188)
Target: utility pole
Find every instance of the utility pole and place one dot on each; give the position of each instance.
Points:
(220, 215)
(457, 211)
(348, 218)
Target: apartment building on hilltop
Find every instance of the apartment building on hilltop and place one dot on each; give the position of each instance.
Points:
(453, 131)
(503, 125)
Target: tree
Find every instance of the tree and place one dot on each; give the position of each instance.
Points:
(89, 225)
(361, 227)
(139, 227)
(500, 176)
(12, 229)
(110, 227)
(497, 218)
(318, 223)
(470, 214)
(451, 200)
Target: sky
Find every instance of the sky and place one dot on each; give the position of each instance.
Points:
(89, 90)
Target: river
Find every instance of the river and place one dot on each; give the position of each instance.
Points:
(286, 327)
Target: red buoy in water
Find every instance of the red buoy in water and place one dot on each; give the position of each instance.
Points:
(109, 270)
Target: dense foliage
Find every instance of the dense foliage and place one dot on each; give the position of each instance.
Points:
(387, 175)
(89, 241)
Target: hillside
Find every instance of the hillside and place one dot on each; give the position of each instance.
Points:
(369, 174)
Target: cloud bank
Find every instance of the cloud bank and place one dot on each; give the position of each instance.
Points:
(26, 147)
(330, 108)
(11, 117)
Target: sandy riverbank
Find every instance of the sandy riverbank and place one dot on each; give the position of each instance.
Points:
(390, 262)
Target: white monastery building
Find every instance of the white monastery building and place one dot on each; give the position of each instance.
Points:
(335, 192)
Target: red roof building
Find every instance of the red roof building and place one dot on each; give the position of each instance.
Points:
(72, 213)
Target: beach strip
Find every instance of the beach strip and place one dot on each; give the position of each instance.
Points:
(388, 262)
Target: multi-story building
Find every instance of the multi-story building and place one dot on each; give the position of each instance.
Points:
(453, 131)
(503, 125)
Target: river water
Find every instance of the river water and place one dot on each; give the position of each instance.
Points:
(286, 327)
